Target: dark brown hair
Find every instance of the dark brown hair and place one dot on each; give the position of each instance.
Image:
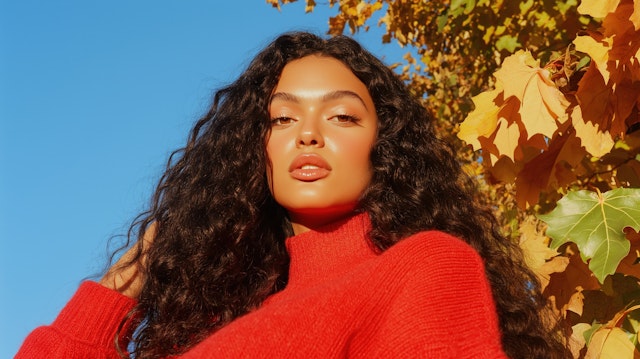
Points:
(219, 249)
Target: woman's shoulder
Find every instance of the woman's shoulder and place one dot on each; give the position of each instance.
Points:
(430, 249)
(434, 243)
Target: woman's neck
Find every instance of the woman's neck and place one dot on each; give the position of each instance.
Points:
(304, 222)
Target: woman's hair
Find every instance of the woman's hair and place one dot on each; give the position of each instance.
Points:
(219, 249)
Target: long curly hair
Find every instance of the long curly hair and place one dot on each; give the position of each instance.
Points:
(219, 247)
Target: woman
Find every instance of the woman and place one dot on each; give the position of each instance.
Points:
(314, 212)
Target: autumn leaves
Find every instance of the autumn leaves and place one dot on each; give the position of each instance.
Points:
(537, 126)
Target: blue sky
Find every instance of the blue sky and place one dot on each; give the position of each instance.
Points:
(94, 95)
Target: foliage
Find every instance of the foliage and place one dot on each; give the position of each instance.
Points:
(595, 223)
(541, 99)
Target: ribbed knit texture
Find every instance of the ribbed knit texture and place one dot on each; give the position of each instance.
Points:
(426, 297)
(85, 328)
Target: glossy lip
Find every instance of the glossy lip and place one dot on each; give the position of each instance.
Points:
(320, 170)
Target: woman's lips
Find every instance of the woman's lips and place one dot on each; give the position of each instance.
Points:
(309, 167)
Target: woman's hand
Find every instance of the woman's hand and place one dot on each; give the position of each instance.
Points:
(129, 279)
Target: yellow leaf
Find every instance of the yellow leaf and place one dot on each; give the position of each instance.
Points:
(507, 138)
(597, 51)
(515, 73)
(596, 142)
(310, 5)
(488, 33)
(482, 121)
(541, 102)
(610, 343)
(598, 8)
(554, 100)
(534, 245)
(537, 255)
(576, 302)
(577, 341)
(635, 17)
(542, 105)
(555, 265)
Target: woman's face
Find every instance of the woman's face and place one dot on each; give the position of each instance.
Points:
(323, 125)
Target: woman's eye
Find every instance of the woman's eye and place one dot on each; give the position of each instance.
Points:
(345, 119)
(279, 121)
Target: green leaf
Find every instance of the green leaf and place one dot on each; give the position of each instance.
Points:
(459, 7)
(525, 6)
(455, 4)
(595, 223)
(589, 332)
(442, 21)
(508, 42)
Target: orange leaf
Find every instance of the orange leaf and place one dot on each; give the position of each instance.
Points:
(545, 171)
(504, 170)
(597, 8)
(593, 97)
(563, 285)
(624, 100)
(629, 265)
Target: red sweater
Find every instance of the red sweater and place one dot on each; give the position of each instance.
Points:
(426, 297)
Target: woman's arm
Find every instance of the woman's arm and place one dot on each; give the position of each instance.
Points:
(87, 326)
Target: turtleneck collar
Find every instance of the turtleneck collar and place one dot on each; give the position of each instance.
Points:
(328, 251)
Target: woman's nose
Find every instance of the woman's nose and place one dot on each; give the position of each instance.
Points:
(310, 134)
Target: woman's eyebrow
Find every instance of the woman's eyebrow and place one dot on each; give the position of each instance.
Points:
(333, 95)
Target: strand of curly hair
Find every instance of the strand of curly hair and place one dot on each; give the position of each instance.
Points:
(219, 249)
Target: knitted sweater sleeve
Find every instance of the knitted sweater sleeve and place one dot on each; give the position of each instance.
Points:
(85, 328)
(442, 306)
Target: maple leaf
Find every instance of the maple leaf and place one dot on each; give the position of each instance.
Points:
(598, 51)
(542, 171)
(635, 17)
(628, 265)
(577, 340)
(610, 343)
(609, 340)
(596, 142)
(516, 72)
(507, 138)
(597, 8)
(575, 278)
(503, 170)
(537, 255)
(482, 121)
(624, 100)
(595, 223)
(593, 96)
(541, 102)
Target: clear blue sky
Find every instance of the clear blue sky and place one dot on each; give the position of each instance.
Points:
(94, 95)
